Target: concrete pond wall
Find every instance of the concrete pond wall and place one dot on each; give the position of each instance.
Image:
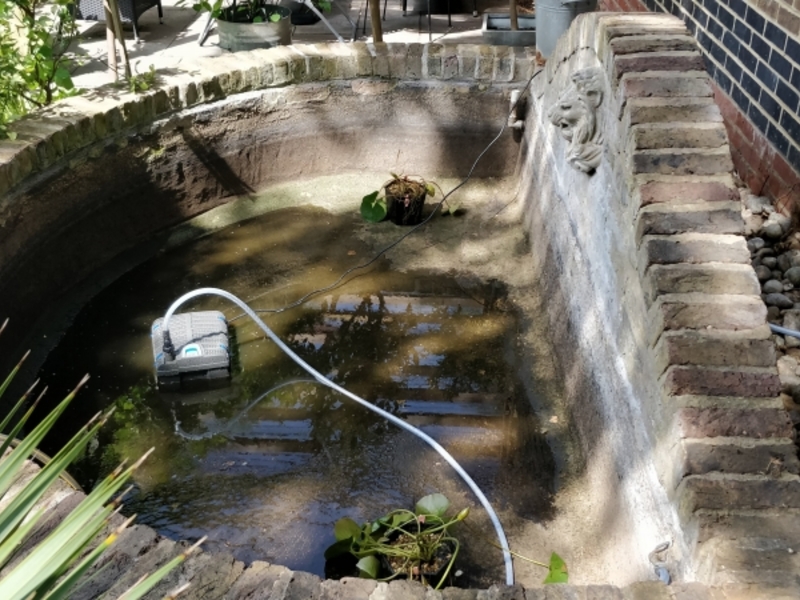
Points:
(634, 225)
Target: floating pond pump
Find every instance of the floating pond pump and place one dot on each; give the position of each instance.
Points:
(196, 348)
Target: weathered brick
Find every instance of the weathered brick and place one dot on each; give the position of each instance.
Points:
(647, 590)
(661, 189)
(401, 589)
(380, 59)
(666, 84)
(726, 492)
(432, 61)
(709, 422)
(397, 60)
(682, 161)
(484, 67)
(640, 24)
(708, 347)
(467, 61)
(703, 311)
(649, 42)
(650, 136)
(670, 110)
(706, 217)
(658, 61)
(740, 455)
(693, 591)
(414, 61)
(352, 588)
(449, 62)
(503, 70)
(693, 248)
(721, 381)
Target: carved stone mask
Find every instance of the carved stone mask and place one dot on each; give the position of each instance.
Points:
(574, 113)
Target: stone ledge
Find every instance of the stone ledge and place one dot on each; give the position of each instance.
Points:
(705, 278)
(682, 380)
(699, 217)
(655, 136)
(740, 455)
(692, 248)
(682, 189)
(715, 348)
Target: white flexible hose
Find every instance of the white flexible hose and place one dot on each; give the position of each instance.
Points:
(501, 536)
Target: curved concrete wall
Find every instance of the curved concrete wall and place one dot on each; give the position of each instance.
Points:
(95, 175)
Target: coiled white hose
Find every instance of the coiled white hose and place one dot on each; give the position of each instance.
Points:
(501, 536)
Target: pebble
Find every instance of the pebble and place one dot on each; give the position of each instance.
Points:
(777, 274)
(793, 275)
(787, 366)
(779, 300)
(763, 273)
(769, 261)
(773, 314)
(755, 244)
(784, 262)
(772, 230)
(780, 344)
(773, 286)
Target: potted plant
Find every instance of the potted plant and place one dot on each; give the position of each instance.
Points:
(402, 200)
(414, 544)
(249, 24)
(302, 13)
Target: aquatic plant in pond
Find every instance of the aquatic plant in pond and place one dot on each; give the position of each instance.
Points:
(415, 544)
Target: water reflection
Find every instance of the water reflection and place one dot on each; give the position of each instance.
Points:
(265, 465)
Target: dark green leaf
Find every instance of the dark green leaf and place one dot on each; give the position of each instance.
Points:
(434, 504)
(373, 209)
(346, 529)
(368, 567)
(557, 572)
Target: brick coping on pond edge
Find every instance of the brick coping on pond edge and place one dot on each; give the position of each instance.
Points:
(710, 338)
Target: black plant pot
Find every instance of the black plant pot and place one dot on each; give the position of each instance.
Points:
(405, 210)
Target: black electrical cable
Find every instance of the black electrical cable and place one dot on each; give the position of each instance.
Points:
(386, 249)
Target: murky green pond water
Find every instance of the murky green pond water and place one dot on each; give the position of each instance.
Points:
(265, 466)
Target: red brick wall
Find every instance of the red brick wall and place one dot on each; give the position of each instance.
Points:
(759, 164)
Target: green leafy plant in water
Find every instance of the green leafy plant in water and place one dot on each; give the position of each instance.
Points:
(56, 564)
(408, 541)
(34, 66)
(374, 206)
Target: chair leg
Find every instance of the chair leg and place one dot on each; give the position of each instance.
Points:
(135, 32)
(161, 13)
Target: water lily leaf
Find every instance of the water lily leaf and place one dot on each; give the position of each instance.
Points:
(433, 504)
(557, 572)
(373, 209)
(346, 529)
(368, 567)
(275, 17)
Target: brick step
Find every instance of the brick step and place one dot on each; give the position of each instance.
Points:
(718, 491)
(741, 455)
(698, 217)
(748, 560)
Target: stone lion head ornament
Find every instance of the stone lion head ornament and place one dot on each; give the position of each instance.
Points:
(574, 113)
